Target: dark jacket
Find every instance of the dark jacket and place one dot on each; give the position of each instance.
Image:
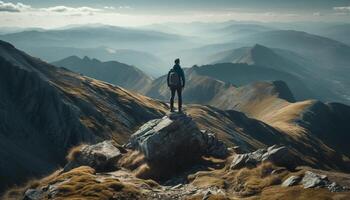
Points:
(180, 72)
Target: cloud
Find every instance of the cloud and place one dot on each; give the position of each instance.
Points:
(11, 7)
(63, 9)
(272, 14)
(342, 9)
(125, 7)
(317, 14)
(111, 51)
(109, 7)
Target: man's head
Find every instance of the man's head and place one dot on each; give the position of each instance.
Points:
(177, 61)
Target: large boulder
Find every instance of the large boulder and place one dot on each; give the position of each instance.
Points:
(175, 139)
(280, 156)
(102, 157)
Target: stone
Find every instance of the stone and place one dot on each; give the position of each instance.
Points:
(313, 180)
(215, 147)
(237, 149)
(175, 139)
(334, 187)
(207, 195)
(280, 156)
(102, 157)
(279, 170)
(291, 181)
(33, 194)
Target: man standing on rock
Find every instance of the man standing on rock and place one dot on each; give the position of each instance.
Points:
(176, 82)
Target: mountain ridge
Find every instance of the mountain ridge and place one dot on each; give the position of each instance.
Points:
(44, 107)
(113, 72)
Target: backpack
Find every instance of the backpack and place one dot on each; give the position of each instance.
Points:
(174, 79)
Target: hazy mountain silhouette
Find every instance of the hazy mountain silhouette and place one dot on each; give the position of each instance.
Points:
(112, 72)
(260, 55)
(95, 36)
(241, 74)
(330, 54)
(284, 61)
(149, 63)
(338, 32)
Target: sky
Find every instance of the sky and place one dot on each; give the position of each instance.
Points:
(54, 13)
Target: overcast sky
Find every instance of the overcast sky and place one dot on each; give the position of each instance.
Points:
(52, 13)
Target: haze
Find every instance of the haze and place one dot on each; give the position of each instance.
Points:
(49, 14)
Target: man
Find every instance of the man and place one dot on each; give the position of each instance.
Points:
(176, 82)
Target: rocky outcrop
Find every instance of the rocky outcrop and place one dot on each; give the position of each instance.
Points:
(280, 156)
(175, 138)
(101, 156)
(313, 180)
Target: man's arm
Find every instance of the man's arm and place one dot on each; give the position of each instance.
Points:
(183, 77)
(168, 79)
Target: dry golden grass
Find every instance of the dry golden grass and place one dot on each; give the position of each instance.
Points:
(244, 182)
(297, 192)
(132, 160)
(82, 183)
(284, 118)
(18, 191)
(74, 152)
(259, 184)
(248, 182)
(135, 161)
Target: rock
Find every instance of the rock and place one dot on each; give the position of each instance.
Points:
(334, 187)
(215, 147)
(101, 157)
(291, 181)
(312, 180)
(280, 156)
(175, 139)
(33, 194)
(279, 170)
(237, 149)
(207, 195)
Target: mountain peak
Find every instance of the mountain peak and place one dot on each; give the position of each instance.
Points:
(6, 44)
(283, 91)
(259, 46)
(258, 50)
(86, 58)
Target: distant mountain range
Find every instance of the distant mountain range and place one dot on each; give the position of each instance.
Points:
(147, 62)
(112, 72)
(338, 32)
(215, 84)
(89, 36)
(287, 62)
(133, 46)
